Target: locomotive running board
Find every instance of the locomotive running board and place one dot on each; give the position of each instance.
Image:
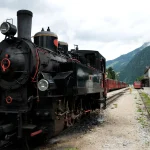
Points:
(62, 75)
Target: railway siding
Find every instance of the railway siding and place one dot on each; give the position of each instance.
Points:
(112, 93)
(146, 101)
(143, 118)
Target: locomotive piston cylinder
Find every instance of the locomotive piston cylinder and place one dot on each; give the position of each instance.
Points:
(24, 24)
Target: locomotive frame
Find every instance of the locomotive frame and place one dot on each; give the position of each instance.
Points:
(43, 86)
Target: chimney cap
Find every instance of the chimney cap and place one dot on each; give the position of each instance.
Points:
(24, 12)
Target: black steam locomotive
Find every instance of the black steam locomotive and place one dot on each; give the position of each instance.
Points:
(43, 86)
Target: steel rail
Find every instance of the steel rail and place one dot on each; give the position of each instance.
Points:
(115, 97)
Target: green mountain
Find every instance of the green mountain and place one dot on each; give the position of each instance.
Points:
(120, 63)
(136, 66)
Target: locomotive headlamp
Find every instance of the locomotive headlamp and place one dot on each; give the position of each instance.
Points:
(8, 29)
(43, 85)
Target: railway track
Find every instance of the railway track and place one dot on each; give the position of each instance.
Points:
(115, 96)
(146, 107)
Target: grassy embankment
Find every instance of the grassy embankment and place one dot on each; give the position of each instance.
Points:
(142, 118)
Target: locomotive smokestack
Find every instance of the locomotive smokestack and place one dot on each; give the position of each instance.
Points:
(24, 23)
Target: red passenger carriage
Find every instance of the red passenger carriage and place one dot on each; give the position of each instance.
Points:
(137, 85)
(114, 84)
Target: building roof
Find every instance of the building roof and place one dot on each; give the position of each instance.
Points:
(147, 68)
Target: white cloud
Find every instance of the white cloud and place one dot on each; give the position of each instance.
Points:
(112, 27)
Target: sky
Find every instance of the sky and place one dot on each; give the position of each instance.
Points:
(113, 27)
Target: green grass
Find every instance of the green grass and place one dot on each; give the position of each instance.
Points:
(147, 143)
(142, 120)
(146, 100)
(115, 105)
(139, 109)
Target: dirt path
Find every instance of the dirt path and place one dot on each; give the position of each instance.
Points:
(120, 131)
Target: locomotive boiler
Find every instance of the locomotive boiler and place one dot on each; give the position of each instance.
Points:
(43, 86)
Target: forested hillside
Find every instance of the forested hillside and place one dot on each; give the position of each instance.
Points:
(120, 63)
(136, 66)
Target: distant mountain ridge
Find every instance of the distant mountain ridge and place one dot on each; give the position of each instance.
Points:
(120, 62)
(136, 66)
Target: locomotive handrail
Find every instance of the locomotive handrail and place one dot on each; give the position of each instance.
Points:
(74, 60)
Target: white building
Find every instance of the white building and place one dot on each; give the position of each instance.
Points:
(146, 79)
